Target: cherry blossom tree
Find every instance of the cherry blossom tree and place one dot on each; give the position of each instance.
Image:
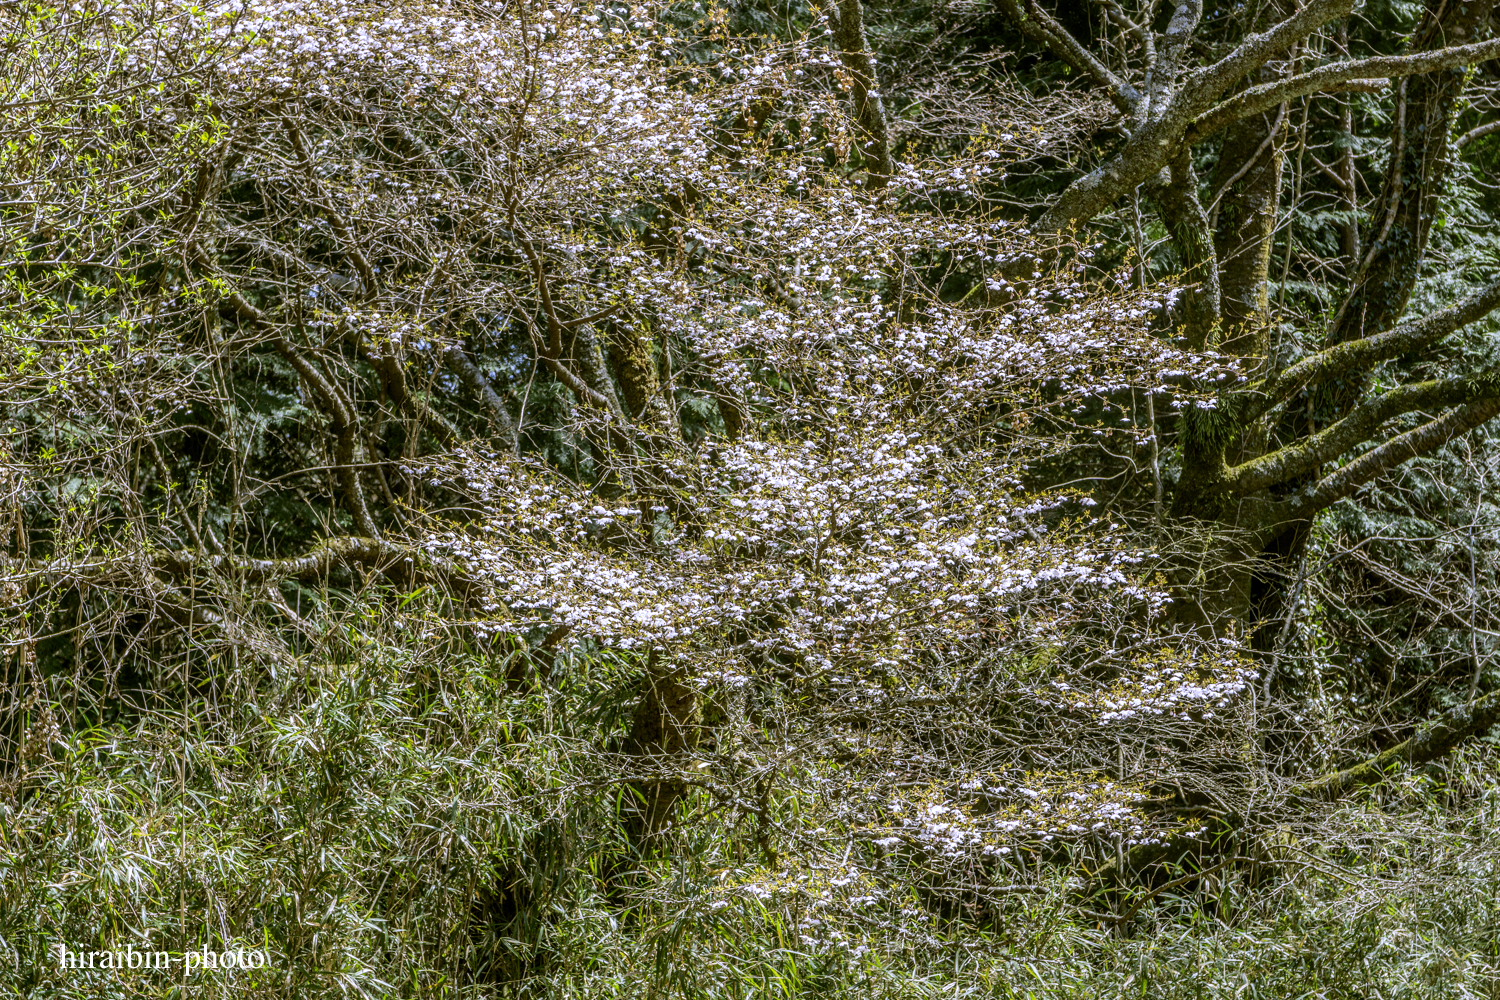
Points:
(519, 343)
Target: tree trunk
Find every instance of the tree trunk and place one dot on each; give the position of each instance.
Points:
(1188, 223)
(1248, 187)
(1401, 222)
(634, 364)
(667, 725)
(1247, 201)
(869, 107)
(1247, 213)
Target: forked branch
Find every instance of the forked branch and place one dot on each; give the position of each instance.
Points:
(1362, 74)
(1257, 399)
(1402, 448)
(1308, 455)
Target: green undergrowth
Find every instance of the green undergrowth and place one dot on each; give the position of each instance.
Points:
(393, 812)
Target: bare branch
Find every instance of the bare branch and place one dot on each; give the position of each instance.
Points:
(1418, 441)
(386, 363)
(1308, 455)
(407, 564)
(336, 221)
(1359, 74)
(340, 414)
(393, 379)
(1413, 335)
(1117, 14)
(1041, 26)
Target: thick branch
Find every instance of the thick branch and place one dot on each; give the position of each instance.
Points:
(393, 378)
(1475, 133)
(387, 365)
(1429, 744)
(1367, 352)
(1159, 140)
(346, 436)
(1040, 26)
(1208, 83)
(1325, 78)
(1148, 150)
(544, 292)
(572, 381)
(550, 350)
(473, 379)
(1180, 30)
(407, 564)
(1419, 441)
(1308, 455)
(549, 353)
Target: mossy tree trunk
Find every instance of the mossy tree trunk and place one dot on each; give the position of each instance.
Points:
(869, 106)
(1230, 448)
(667, 726)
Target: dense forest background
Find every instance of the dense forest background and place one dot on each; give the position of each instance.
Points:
(753, 500)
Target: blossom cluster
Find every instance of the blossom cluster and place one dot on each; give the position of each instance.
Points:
(1170, 684)
(992, 818)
